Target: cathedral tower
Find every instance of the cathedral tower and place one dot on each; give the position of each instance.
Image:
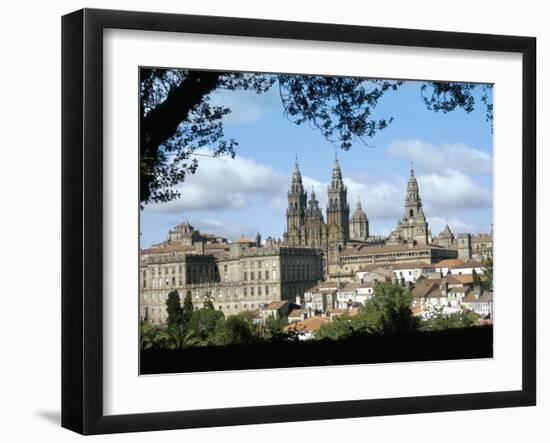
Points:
(337, 209)
(314, 226)
(414, 226)
(296, 211)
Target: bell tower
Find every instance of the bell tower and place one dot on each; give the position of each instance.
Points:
(337, 208)
(296, 211)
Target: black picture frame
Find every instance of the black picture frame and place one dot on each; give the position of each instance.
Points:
(82, 219)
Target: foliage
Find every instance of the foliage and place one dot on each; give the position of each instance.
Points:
(274, 328)
(173, 308)
(476, 279)
(388, 311)
(488, 273)
(208, 304)
(187, 308)
(148, 335)
(340, 107)
(233, 330)
(179, 115)
(176, 337)
(339, 327)
(203, 323)
(440, 321)
(448, 96)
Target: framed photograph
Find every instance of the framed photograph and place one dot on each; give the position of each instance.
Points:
(312, 220)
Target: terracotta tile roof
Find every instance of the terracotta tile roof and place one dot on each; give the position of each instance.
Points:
(411, 265)
(469, 264)
(487, 238)
(380, 249)
(168, 247)
(464, 279)
(274, 305)
(425, 288)
(296, 313)
(461, 289)
(449, 263)
(310, 324)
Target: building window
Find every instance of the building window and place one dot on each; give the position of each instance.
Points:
(267, 290)
(259, 290)
(251, 275)
(267, 275)
(244, 292)
(252, 291)
(245, 276)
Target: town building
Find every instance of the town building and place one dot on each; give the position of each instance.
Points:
(235, 277)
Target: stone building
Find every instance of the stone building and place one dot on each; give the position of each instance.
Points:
(446, 238)
(306, 225)
(412, 228)
(235, 277)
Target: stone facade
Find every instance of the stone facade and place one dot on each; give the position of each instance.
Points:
(412, 228)
(236, 277)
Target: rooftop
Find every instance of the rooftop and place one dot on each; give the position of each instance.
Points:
(310, 324)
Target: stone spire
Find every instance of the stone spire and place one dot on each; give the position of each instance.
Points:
(337, 207)
(297, 205)
(336, 173)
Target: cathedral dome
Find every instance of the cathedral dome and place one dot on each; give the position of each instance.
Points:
(359, 215)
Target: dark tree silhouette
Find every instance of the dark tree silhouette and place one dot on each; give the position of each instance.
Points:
(178, 117)
(173, 308)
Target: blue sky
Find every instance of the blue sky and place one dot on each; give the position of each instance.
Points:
(452, 155)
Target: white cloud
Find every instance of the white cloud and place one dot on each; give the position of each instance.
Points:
(231, 230)
(225, 183)
(245, 106)
(436, 158)
(450, 192)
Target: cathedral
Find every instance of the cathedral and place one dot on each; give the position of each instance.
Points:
(339, 235)
(306, 225)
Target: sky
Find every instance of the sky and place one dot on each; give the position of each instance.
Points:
(452, 156)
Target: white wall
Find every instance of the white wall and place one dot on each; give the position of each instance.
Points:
(30, 216)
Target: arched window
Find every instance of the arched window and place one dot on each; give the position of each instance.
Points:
(411, 213)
